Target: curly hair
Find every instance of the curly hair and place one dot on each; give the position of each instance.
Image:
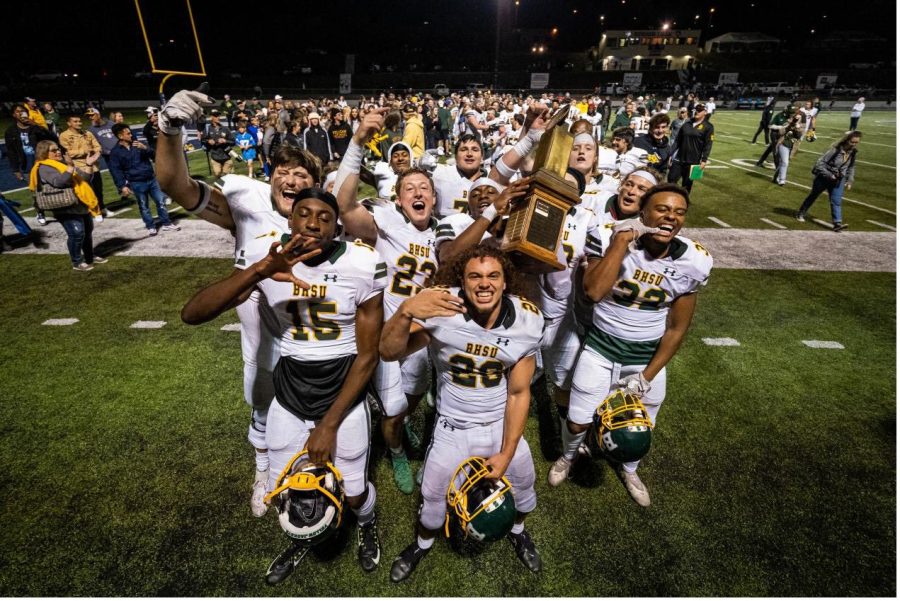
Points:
(454, 273)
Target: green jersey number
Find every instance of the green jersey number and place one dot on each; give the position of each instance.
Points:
(465, 372)
(312, 321)
(628, 293)
(407, 266)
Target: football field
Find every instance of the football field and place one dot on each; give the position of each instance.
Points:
(126, 471)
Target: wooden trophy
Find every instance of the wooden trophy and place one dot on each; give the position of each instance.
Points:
(535, 223)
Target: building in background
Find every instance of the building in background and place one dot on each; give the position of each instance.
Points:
(648, 50)
(752, 42)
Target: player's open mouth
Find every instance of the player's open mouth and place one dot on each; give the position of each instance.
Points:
(290, 195)
(484, 295)
(418, 205)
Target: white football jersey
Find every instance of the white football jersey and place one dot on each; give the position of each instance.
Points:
(628, 323)
(385, 180)
(452, 190)
(472, 363)
(631, 160)
(451, 226)
(597, 193)
(320, 323)
(556, 286)
(257, 224)
(408, 252)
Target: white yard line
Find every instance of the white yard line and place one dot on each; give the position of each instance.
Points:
(830, 344)
(822, 223)
(62, 321)
(718, 222)
(818, 129)
(773, 224)
(819, 153)
(721, 342)
(716, 167)
(147, 325)
(884, 225)
(231, 327)
(858, 202)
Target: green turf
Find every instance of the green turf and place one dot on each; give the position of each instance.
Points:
(126, 470)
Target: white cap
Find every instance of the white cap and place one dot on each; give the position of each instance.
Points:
(278, 97)
(151, 109)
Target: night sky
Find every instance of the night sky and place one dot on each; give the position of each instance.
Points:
(97, 35)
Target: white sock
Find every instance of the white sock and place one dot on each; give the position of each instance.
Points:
(571, 442)
(262, 461)
(518, 528)
(424, 543)
(366, 513)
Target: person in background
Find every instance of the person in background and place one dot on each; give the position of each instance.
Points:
(247, 143)
(681, 117)
(22, 137)
(34, 113)
(316, 140)
(833, 173)
(52, 117)
(856, 112)
(340, 134)
(133, 173)
(218, 141)
(691, 147)
(50, 170)
(151, 128)
(84, 151)
(764, 120)
(414, 132)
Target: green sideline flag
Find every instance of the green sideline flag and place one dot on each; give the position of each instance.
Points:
(696, 172)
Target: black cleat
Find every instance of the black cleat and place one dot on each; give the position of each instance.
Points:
(525, 550)
(282, 566)
(407, 561)
(368, 548)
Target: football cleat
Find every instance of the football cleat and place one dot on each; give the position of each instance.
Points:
(525, 550)
(402, 473)
(635, 488)
(368, 547)
(559, 471)
(406, 562)
(282, 566)
(624, 430)
(485, 507)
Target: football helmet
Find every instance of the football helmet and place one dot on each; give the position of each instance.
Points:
(623, 428)
(309, 498)
(485, 507)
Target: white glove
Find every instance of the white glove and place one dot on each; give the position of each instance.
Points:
(184, 107)
(634, 384)
(428, 161)
(634, 225)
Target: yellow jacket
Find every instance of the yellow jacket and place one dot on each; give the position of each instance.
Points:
(83, 190)
(414, 135)
(79, 146)
(36, 117)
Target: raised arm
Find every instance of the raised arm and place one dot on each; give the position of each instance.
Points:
(401, 336)
(171, 168)
(356, 219)
(532, 130)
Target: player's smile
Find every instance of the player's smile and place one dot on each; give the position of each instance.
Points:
(666, 211)
(416, 198)
(287, 182)
(484, 283)
(482, 197)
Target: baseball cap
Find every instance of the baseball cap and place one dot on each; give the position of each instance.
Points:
(278, 97)
(30, 99)
(699, 107)
(214, 112)
(409, 107)
(151, 109)
(91, 111)
(314, 115)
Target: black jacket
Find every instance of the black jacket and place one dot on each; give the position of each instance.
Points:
(316, 140)
(694, 142)
(766, 116)
(218, 152)
(14, 149)
(658, 153)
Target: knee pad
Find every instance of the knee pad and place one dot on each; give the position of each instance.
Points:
(256, 432)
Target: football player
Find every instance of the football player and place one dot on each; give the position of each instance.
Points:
(384, 175)
(483, 340)
(403, 233)
(452, 182)
(256, 213)
(645, 289)
(327, 297)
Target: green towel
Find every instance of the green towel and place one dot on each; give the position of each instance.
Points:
(696, 172)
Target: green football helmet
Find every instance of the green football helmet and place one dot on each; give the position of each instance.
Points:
(485, 507)
(624, 430)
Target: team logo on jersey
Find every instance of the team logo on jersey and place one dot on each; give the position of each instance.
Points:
(330, 277)
(669, 271)
(503, 341)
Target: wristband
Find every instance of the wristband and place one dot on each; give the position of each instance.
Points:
(489, 213)
(203, 199)
(504, 169)
(353, 157)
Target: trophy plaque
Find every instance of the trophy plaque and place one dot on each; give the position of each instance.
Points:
(535, 223)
